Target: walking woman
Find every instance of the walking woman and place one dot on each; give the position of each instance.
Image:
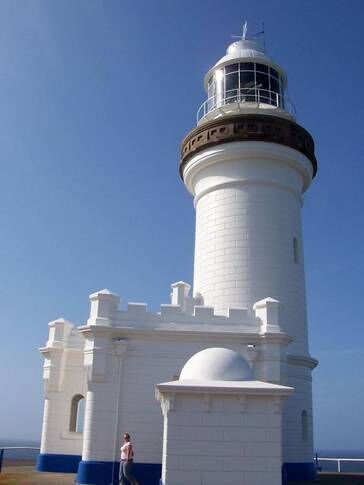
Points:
(126, 462)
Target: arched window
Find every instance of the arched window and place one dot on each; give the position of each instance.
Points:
(296, 251)
(77, 413)
(304, 425)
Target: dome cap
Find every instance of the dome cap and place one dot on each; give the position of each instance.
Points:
(217, 364)
(246, 50)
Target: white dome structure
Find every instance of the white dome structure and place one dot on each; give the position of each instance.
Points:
(217, 364)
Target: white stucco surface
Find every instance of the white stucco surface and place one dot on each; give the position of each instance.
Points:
(217, 364)
(220, 430)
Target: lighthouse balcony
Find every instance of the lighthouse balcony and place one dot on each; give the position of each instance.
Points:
(245, 100)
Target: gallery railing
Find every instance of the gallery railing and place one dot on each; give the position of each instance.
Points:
(255, 97)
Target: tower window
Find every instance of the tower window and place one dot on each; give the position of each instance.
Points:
(304, 425)
(77, 413)
(296, 251)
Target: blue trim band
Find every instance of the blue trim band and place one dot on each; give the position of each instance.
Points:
(47, 462)
(101, 472)
(299, 471)
(97, 472)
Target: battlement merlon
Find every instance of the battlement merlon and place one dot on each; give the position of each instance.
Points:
(59, 332)
(184, 313)
(65, 344)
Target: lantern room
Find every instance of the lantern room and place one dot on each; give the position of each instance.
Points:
(245, 80)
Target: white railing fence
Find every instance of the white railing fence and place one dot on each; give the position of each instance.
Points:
(5, 448)
(338, 461)
(318, 459)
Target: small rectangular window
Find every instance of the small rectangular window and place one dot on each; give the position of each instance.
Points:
(296, 251)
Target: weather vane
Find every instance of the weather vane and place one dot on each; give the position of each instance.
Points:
(245, 30)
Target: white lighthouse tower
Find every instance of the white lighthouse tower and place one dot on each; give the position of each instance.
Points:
(229, 364)
(247, 165)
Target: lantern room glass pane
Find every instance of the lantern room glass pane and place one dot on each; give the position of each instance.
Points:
(262, 68)
(247, 66)
(262, 81)
(231, 68)
(274, 73)
(231, 87)
(247, 79)
(274, 85)
(262, 86)
(232, 81)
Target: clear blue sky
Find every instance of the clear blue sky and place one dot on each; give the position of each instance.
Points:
(95, 98)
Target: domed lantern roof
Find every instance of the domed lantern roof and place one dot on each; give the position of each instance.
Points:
(246, 50)
(217, 364)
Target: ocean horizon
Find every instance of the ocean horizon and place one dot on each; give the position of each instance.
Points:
(321, 452)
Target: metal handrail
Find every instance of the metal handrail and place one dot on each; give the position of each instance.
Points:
(254, 95)
(338, 460)
(3, 448)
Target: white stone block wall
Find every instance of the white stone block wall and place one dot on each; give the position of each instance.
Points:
(244, 252)
(146, 362)
(104, 358)
(64, 377)
(222, 444)
(248, 198)
(298, 445)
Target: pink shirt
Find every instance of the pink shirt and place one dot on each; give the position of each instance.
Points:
(127, 451)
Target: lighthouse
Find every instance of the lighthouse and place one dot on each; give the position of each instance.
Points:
(222, 372)
(247, 164)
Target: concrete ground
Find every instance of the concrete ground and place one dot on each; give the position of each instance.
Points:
(25, 475)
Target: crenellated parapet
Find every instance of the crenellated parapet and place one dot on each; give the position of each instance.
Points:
(184, 313)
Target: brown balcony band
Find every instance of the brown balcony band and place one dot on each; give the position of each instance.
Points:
(249, 127)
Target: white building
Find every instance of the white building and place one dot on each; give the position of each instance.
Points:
(247, 165)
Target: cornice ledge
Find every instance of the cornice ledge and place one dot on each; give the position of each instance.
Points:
(305, 361)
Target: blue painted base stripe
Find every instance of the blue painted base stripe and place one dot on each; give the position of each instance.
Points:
(97, 472)
(299, 471)
(103, 473)
(100, 473)
(47, 462)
